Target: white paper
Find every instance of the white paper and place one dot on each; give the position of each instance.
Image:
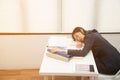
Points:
(82, 67)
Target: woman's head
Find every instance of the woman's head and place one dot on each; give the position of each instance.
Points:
(78, 34)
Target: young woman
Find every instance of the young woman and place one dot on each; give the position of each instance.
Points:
(106, 56)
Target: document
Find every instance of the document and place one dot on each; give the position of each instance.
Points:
(84, 68)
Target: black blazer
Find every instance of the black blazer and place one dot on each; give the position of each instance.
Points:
(106, 56)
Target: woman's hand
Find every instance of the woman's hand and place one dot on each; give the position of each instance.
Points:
(54, 50)
(79, 44)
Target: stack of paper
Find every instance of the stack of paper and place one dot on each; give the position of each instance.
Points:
(62, 43)
(66, 42)
(59, 41)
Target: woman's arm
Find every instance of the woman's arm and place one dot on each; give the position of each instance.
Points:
(88, 43)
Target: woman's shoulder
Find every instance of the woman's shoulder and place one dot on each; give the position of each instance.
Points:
(92, 32)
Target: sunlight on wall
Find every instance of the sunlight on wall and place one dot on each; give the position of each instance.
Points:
(59, 15)
(10, 16)
(44, 15)
(78, 13)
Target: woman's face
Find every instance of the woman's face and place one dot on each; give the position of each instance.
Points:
(78, 36)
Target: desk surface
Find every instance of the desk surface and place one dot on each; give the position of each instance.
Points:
(51, 66)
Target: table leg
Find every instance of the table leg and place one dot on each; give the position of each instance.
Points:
(96, 78)
(53, 77)
(85, 78)
(93, 78)
(82, 78)
(45, 77)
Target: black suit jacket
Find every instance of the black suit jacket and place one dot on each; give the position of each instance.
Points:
(106, 56)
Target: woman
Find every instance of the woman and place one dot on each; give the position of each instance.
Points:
(106, 56)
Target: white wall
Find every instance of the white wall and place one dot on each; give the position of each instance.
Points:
(21, 51)
(78, 13)
(26, 51)
(43, 15)
(108, 16)
(10, 16)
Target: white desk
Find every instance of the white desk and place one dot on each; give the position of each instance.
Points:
(53, 67)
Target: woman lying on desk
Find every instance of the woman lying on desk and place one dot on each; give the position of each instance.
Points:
(106, 56)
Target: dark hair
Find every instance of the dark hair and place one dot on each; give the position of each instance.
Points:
(78, 29)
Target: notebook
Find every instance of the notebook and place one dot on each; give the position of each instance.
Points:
(58, 55)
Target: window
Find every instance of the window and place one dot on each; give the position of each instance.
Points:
(51, 16)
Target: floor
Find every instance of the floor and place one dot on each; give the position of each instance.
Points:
(30, 74)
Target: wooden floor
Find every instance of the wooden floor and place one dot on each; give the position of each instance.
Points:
(29, 74)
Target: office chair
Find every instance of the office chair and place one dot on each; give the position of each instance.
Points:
(118, 48)
(110, 77)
